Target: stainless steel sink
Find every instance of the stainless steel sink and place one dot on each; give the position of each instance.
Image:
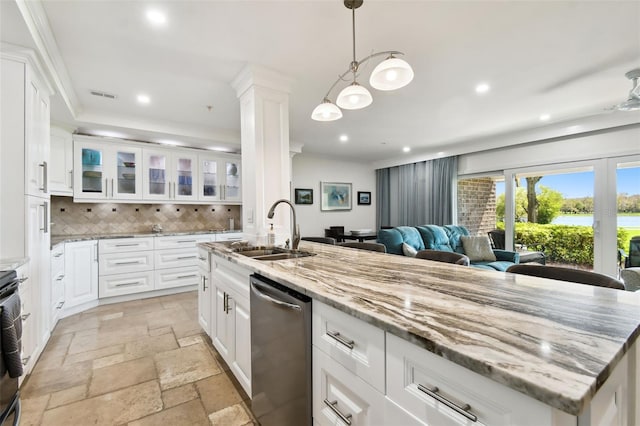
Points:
(275, 253)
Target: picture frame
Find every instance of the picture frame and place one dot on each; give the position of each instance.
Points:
(303, 196)
(335, 196)
(364, 198)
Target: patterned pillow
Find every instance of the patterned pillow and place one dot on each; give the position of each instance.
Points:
(408, 250)
(478, 249)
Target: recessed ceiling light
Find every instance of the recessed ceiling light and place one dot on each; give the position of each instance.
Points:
(544, 117)
(482, 88)
(440, 153)
(169, 142)
(156, 17)
(144, 99)
(220, 149)
(406, 149)
(344, 138)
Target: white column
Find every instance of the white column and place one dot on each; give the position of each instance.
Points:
(266, 170)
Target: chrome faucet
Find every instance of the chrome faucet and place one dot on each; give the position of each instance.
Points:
(295, 237)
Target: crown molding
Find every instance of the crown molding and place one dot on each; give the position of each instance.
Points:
(38, 25)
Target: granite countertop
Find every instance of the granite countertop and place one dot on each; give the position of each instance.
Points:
(554, 341)
(59, 239)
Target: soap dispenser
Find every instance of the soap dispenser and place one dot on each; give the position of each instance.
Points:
(271, 236)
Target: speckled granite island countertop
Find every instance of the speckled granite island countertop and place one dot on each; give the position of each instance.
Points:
(553, 341)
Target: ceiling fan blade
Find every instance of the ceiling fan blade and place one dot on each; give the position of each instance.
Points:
(595, 68)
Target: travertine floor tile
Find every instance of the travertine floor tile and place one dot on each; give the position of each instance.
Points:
(124, 374)
(108, 360)
(190, 413)
(73, 323)
(185, 365)
(84, 343)
(234, 415)
(177, 396)
(164, 317)
(32, 409)
(113, 408)
(217, 392)
(190, 327)
(65, 377)
(161, 330)
(67, 396)
(58, 344)
(191, 340)
(150, 345)
(91, 355)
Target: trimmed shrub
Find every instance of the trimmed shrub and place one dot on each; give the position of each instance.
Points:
(562, 243)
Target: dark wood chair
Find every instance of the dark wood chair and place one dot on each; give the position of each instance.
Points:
(323, 240)
(334, 232)
(443, 256)
(366, 246)
(567, 274)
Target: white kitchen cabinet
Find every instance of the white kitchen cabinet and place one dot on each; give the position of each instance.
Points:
(232, 326)
(30, 344)
(57, 283)
(229, 236)
(81, 273)
(205, 298)
(37, 135)
(61, 163)
(170, 175)
(220, 178)
(341, 397)
(106, 171)
(39, 254)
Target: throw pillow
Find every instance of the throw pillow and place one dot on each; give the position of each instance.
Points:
(478, 249)
(409, 250)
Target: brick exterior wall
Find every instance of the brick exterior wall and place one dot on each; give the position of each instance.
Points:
(477, 205)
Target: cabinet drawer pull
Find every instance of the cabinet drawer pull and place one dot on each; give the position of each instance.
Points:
(464, 409)
(25, 316)
(204, 259)
(204, 283)
(186, 257)
(187, 276)
(332, 405)
(23, 279)
(25, 361)
(131, 262)
(128, 245)
(60, 277)
(128, 283)
(340, 339)
(57, 255)
(186, 241)
(60, 305)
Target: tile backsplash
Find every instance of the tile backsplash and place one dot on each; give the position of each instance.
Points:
(69, 218)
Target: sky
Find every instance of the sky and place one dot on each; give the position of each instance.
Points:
(576, 185)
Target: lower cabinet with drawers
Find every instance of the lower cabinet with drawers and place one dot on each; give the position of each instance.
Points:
(142, 264)
(363, 375)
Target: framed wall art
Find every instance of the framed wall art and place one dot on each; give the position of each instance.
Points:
(364, 198)
(303, 196)
(335, 196)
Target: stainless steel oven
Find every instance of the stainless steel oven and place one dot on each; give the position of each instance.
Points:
(10, 345)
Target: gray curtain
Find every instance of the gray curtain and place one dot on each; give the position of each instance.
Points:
(418, 193)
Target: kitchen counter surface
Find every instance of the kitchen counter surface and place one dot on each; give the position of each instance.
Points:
(14, 263)
(59, 239)
(554, 341)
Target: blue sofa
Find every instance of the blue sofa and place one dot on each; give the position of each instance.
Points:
(445, 238)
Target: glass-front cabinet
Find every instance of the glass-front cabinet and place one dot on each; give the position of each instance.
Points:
(106, 171)
(169, 175)
(219, 179)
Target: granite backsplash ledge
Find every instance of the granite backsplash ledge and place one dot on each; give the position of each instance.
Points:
(69, 218)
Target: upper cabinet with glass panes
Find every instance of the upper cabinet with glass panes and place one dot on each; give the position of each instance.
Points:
(106, 171)
(117, 170)
(219, 179)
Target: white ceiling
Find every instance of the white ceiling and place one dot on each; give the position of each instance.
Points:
(564, 58)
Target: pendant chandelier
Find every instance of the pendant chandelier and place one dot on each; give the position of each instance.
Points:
(391, 74)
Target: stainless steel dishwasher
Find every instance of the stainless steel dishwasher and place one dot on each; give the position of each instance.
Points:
(280, 354)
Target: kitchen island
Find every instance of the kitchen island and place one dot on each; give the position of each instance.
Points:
(557, 343)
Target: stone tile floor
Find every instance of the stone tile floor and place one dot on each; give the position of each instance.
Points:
(144, 362)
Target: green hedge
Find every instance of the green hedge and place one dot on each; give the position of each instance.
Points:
(562, 243)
